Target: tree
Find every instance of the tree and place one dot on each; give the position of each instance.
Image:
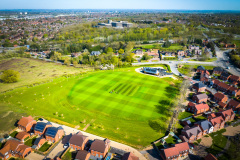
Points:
(146, 56)
(56, 56)
(10, 76)
(121, 51)
(109, 50)
(167, 44)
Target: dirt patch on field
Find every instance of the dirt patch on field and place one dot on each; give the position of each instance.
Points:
(205, 143)
(232, 131)
(9, 63)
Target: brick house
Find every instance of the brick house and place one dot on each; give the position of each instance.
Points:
(224, 76)
(234, 78)
(227, 115)
(191, 134)
(211, 116)
(217, 70)
(41, 127)
(26, 123)
(218, 123)
(220, 97)
(233, 91)
(129, 156)
(173, 153)
(14, 148)
(200, 98)
(82, 155)
(200, 69)
(223, 87)
(204, 76)
(205, 126)
(199, 87)
(234, 105)
(78, 141)
(214, 83)
(22, 135)
(99, 148)
(222, 105)
(197, 108)
(38, 142)
(53, 134)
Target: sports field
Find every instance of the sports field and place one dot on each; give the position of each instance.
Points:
(122, 105)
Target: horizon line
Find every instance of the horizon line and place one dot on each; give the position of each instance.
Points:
(119, 9)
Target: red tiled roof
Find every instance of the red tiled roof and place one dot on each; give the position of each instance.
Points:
(182, 146)
(235, 78)
(202, 106)
(22, 135)
(219, 95)
(234, 103)
(191, 104)
(224, 85)
(221, 104)
(129, 156)
(24, 121)
(169, 152)
(232, 89)
(215, 81)
(217, 120)
(228, 112)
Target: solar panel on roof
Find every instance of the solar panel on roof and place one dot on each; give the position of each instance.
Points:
(40, 127)
(51, 132)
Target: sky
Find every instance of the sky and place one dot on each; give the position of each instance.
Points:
(122, 4)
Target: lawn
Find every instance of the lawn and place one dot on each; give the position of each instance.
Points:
(45, 147)
(186, 69)
(8, 117)
(13, 134)
(122, 105)
(33, 71)
(30, 142)
(219, 142)
(170, 140)
(183, 115)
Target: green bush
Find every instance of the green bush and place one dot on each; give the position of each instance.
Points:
(10, 76)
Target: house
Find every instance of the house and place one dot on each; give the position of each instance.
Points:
(210, 157)
(95, 53)
(41, 127)
(200, 98)
(22, 135)
(181, 53)
(204, 76)
(222, 105)
(129, 156)
(205, 126)
(82, 155)
(191, 134)
(233, 91)
(211, 116)
(99, 148)
(38, 142)
(78, 141)
(224, 76)
(200, 69)
(223, 87)
(215, 83)
(234, 78)
(186, 123)
(218, 70)
(235, 105)
(26, 123)
(220, 97)
(199, 87)
(197, 108)
(227, 115)
(14, 148)
(173, 153)
(53, 134)
(139, 52)
(218, 123)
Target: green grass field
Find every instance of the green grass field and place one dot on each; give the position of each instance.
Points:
(122, 105)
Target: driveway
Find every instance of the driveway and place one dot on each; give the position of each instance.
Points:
(34, 156)
(57, 151)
